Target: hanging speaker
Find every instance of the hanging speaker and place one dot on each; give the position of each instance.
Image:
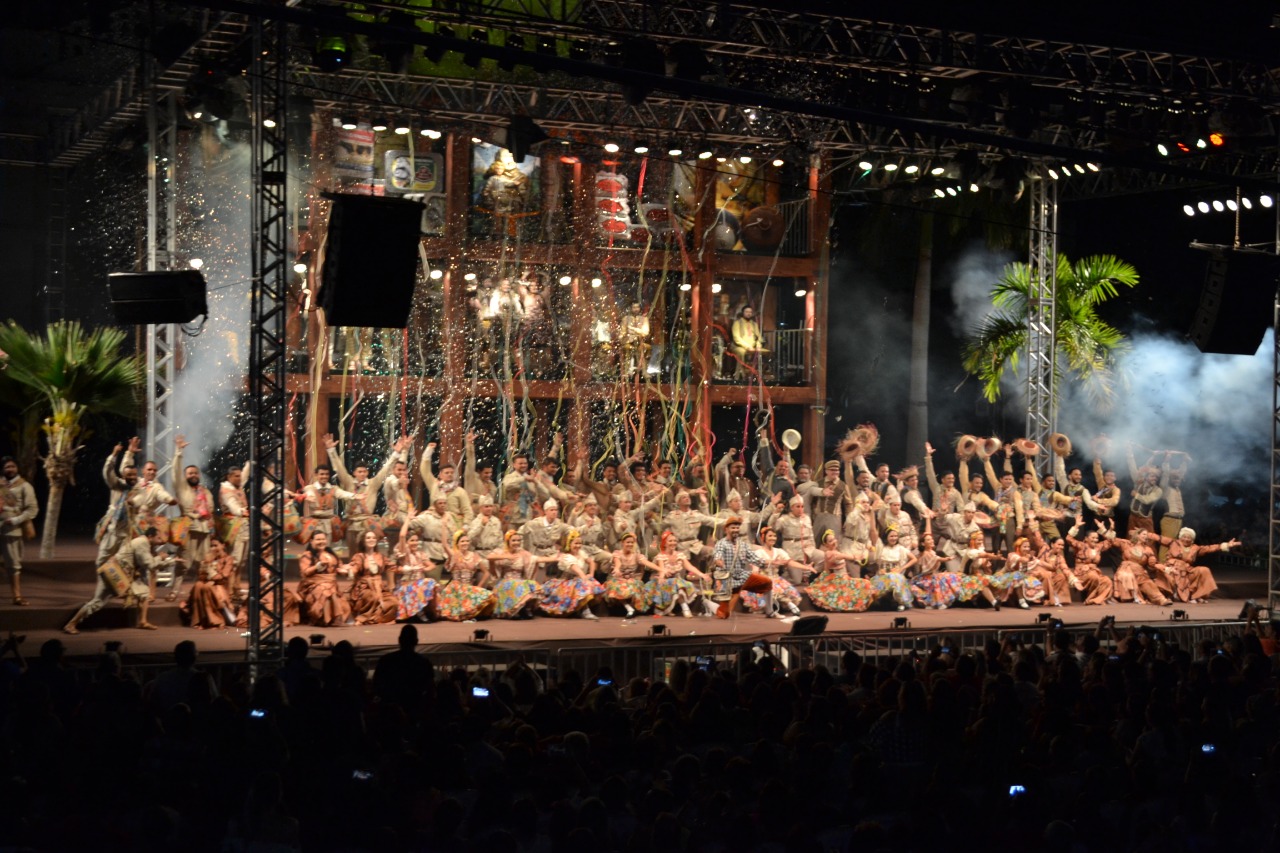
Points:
(370, 261)
(142, 298)
(1237, 301)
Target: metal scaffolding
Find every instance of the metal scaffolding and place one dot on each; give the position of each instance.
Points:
(162, 228)
(1042, 265)
(267, 376)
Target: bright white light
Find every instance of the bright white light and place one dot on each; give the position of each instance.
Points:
(1162, 149)
(1053, 173)
(801, 292)
(722, 159)
(1218, 206)
(951, 191)
(715, 287)
(402, 129)
(1246, 203)
(1093, 167)
(611, 147)
(891, 167)
(866, 165)
(379, 126)
(566, 279)
(1231, 205)
(912, 169)
(475, 140)
(348, 124)
(1188, 210)
(940, 193)
(705, 154)
(674, 152)
(436, 275)
(1066, 171)
(1265, 201)
(195, 263)
(1202, 206)
(973, 188)
(642, 149)
(684, 285)
(270, 122)
(469, 277)
(1079, 169)
(595, 282)
(300, 268)
(779, 162)
(938, 170)
(1200, 143)
(744, 159)
(434, 134)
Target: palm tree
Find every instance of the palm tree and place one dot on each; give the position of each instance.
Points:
(74, 373)
(1086, 347)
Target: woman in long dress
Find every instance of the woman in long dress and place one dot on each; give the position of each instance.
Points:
(208, 605)
(575, 589)
(891, 561)
(1090, 580)
(464, 598)
(932, 585)
(775, 560)
(372, 601)
(1017, 578)
(837, 589)
(415, 590)
(1055, 574)
(1194, 583)
(516, 592)
(669, 586)
(1139, 578)
(625, 584)
(322, 603)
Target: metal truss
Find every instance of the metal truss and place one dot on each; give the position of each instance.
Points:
(162, 218)
(1042, 265)
(267, 370)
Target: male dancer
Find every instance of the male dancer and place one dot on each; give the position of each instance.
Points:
(18, 508)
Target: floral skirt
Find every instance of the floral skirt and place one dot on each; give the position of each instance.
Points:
(459, 602)
(937, 589)
(1033, 589)
(971, 586)
(627, 590)
(841, 593)
(783, 591)
(564, 596)
(512, 594)
(893, 583)
(412, 597)
(1003, 581)
(663, 593)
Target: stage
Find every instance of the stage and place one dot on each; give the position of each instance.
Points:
(56, 588)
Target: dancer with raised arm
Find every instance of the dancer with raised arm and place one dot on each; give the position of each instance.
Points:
(464, 598)
(1096, 586)
(516, 592)
(838, 588)
(625, 584)
(415, 584)
(1194, 582)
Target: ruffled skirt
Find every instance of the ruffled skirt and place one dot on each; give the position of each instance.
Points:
(841, 593)
(459, 602)
(565, 596)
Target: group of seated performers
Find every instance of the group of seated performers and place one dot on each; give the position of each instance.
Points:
(642, 535)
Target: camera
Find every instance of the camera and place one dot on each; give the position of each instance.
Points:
(258, 713)
(946, 650)
(480, 692)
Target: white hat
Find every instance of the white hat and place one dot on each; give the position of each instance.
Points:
(1187, 533)
(551, 504)
(733, 496)
(590, 499)
(484, 500)
(796, 499)
(969, 507)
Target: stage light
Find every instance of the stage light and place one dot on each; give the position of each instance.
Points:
(973, 188)
(744, 159)
(866, 165)
(1188, 210)
(1232, 206)
(331, 53)
(268, 122)
(195, 263)
(349, 124)
(1217, 140)
(402, 127)
(300, 268)
(1200, 143)
(1183, 147)
(1066, 171)
(1093, 167)
(566, 279)
(686, 286)
(1162, 149)
(641, 149)
(1053, 173)
(1202, 206)
(891, 167)
(705, 154)
(1079, 169)
(912, 169)
(778, 162)
(675, 151)
(569, 159)
(1265, 201)
(951, 191)
(469, 277)
(612, 147)
(1218, 206)
(938, 170)
(475, 140)
(595, 282)
(715, 287)
(722, 159)
(802, 292)
(940, 193)
(436, 275)
(379, 125)
(1246, 203)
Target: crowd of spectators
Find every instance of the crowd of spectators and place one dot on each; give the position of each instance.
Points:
(1054, 741)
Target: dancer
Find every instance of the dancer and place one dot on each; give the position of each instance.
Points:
(322, 603)
(464, 598)
(208, 605)
(1017, 576)
(516, 592)
(933, 586)
(946, 497)
(625, 584)
(890, 562)
(831, 499)
(359, 516)
(837, 588)
(1194, 582)
(736, 556)
(435, 526)
(542, 536)
(1145, 494)
(399, 502)
(192, 530)
(575, 589)
(457, 500)
(1096, 586)
(485, 529)
(1139, 578)
(18, 509)
(415, 584)
(114, 528)
(795, 532)
(1056, 574)
(477, 479)
(372, 601)
(320, 506)
(686, 525)
(1171, 478)
(592, 534)
(731, 475)
(126, 575)
(784, 593)
(669, 586)
(978, 568)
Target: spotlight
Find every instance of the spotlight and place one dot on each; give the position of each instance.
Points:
(1066, 171)
(866, 165)
(675, 151)
(778, 162)
(269, 122)
(641, 149)
(379, 125)
(1265, 201)
(331, 53)
(912, 169)
(566, 279)
(802, 292)
(1201, 144)
(744, 159)
(195, 263)
(1217, 140)
(1053, 173)
(891, 167)
(479, 635)
(705, 154)
(938, 170)
(940, 193)
(300, 268)
(1202, 206)
(1218, 205)
(1188, 210)
(1246, 203)
(973, 188)
(1162, 149)
(1231, 205)
(595, 282)
(686, 286)
(1079, 169)
(715, 287)
(436, 275)
(951, 191)
(349, 124)
(612, 147)
(402, 127)
(901, 623)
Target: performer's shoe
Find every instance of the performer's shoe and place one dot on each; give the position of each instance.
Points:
(996, 605)
(901, 607)
(587, 614)
(1022, 602)
(20, 601)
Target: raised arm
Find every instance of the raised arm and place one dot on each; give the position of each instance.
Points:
(931, 474)
(181, 488)
(396, 455)
(335, 460)
(424, 468)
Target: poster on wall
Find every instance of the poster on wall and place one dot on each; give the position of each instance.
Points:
(353, 155)
(505, 195)
(423, 173)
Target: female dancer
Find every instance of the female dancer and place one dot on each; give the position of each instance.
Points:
(775, 560)
(624, 583)
(1089, 578)
(464, 598)
(372, 602)
(892, 560)
(1017, 575)
(933, 586)
(1139, 578)
(837, 588)
(322, 604)
(1195, 583)
(575, 589)
(414, 589)
(517, 593)
(1055, 574)
(208, 605)
(979, 567)
(668, 587)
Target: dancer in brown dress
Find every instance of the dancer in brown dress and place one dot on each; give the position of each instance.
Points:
(1089, 578)
(1139, 578)
(372, 602)
(1194, 583)
(208, 605)
(322, 604)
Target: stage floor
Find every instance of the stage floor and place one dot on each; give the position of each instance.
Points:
(56, 588)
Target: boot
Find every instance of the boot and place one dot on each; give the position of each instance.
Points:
(684, 611)
(631, 611)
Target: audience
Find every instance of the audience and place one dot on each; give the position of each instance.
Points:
(1045, 741)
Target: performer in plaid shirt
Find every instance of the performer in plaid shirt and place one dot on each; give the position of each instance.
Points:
(736, 555)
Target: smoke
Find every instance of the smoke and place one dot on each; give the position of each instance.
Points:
(214, 364)
(975, 272)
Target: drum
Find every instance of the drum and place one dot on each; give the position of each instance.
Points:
(159, 522)
(722, 589)
(391, 522)
(180, 532)
(229, 528)
(115, 576)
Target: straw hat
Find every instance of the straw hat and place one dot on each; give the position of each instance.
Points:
(1026, 447)
(988, 447)
(966, 446)
(849, 447)
(868, 436)
(1060, 444)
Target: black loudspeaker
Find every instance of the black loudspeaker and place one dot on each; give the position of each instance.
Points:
(370, 261)
(808, 626)
(141, 298)
(1236, 308)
